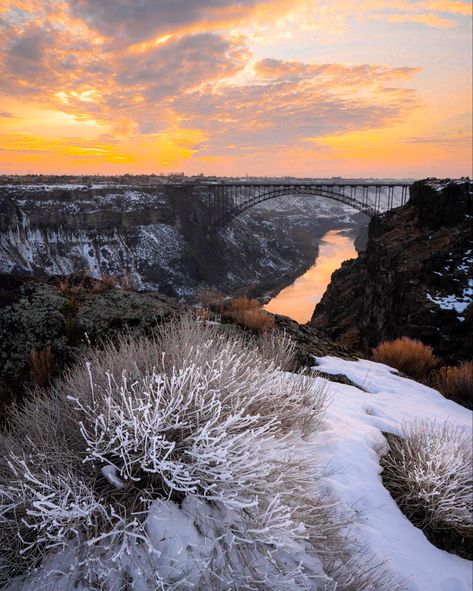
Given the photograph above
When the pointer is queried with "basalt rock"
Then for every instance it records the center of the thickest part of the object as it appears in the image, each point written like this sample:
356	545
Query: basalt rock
414	279
45	317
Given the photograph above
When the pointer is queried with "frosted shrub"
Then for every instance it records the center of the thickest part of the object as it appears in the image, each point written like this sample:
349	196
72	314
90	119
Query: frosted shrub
168	464
198	413
428	472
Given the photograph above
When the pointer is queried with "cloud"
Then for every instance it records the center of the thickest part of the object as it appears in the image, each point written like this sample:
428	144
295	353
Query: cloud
337	73
130	21
427	19
293	102
41	52
144	81
25	53
181	64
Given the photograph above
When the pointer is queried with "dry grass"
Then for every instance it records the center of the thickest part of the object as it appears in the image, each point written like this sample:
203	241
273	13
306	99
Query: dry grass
105	283
42	365
255	319
243	303
70	288
211	298
407	355
202	314
456	383
127	281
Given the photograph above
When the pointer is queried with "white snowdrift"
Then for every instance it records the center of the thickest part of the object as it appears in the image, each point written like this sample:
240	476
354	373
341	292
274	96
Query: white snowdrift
349	445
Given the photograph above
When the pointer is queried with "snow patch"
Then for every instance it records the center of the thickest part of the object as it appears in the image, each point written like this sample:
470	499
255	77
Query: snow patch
350	446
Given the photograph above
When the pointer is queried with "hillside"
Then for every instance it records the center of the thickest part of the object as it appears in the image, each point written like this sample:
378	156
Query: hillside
139	470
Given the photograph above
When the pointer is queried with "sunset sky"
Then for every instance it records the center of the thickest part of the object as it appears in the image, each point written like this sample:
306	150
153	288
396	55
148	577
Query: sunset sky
298	87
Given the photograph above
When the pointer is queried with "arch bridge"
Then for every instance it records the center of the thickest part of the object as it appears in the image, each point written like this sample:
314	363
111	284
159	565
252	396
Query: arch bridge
226	201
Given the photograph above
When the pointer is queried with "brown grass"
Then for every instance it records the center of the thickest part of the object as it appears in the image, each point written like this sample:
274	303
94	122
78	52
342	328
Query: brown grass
105	283
211	298
456	383
127	281
255	319
69	288
202	314
71	307
42	365
243	303
407	355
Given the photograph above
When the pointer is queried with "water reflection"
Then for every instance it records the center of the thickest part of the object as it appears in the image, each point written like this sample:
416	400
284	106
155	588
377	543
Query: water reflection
298	300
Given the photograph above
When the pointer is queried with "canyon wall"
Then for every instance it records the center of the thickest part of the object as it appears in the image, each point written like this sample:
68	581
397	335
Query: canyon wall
159	237
414	279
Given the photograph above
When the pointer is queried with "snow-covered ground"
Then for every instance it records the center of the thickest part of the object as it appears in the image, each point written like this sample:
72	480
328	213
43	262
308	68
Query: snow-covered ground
349	445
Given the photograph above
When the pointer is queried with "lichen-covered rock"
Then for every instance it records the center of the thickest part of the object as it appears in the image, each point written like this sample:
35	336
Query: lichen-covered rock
32	319
310	342
38	316
106	314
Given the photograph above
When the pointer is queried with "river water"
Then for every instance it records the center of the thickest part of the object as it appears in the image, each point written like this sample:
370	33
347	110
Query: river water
298	300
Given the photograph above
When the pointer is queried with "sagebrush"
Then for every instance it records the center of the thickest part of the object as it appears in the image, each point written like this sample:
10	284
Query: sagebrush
456	382
192	427
428	471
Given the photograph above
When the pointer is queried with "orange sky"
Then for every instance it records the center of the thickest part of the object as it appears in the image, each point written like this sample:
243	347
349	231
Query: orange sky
305	88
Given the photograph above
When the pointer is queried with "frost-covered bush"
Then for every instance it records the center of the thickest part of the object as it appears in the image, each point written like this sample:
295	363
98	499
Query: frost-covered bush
168	464
428	470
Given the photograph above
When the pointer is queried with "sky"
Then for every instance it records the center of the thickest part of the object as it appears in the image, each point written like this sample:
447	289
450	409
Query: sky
302	87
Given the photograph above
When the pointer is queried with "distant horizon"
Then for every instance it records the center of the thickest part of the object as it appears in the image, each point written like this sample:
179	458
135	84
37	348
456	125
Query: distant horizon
348	88
219	176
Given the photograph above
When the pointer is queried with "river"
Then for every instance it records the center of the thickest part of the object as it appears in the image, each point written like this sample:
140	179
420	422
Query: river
298	300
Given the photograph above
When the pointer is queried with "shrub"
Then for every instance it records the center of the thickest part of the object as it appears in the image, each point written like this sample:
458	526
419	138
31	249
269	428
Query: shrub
428	472
243	303
42	365
211	298
197	413
255	319
105	283
165	463
456	383
279	348
407	355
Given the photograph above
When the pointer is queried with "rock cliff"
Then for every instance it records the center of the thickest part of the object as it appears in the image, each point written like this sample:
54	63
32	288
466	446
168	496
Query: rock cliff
414	279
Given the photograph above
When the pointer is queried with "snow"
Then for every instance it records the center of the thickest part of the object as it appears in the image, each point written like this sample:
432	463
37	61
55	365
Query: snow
457	302
350	446
453	302
110	473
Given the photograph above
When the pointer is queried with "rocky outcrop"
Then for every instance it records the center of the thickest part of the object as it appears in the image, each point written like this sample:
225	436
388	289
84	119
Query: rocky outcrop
65	320
414	279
